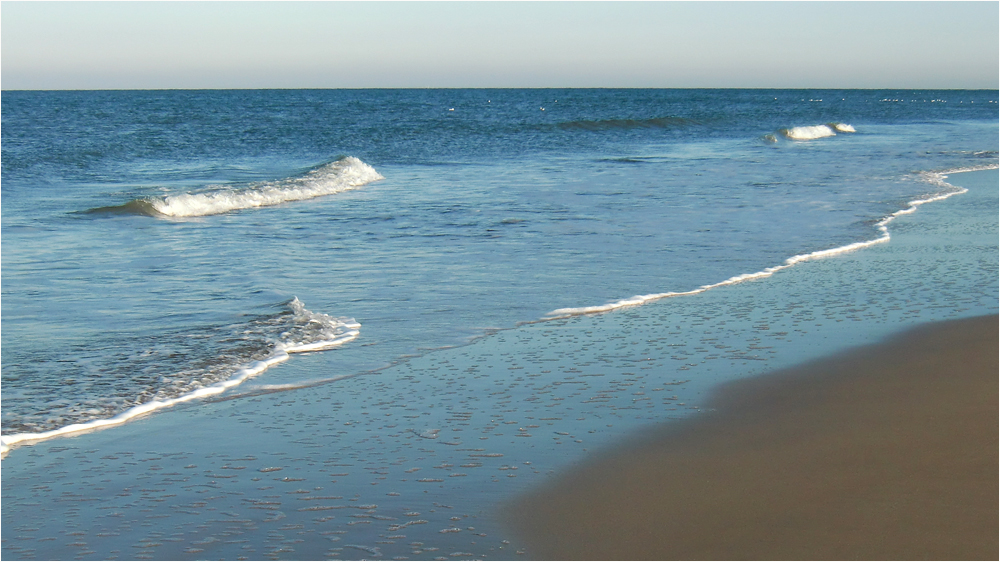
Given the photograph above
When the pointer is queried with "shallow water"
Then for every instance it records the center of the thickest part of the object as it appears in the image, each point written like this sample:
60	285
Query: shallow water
413	460
495	207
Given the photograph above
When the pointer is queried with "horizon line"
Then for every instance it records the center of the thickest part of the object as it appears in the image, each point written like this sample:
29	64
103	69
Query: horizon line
488	88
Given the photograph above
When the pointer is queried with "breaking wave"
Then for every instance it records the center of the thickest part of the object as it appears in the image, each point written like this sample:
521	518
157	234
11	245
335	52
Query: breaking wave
343	175
170	369
809	132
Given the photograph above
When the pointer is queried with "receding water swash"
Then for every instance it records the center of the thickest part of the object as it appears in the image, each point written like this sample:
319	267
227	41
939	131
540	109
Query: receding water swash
297	331
157	244
882	226
305	331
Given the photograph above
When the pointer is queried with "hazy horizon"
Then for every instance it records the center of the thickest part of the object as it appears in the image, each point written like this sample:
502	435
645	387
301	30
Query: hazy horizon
399	45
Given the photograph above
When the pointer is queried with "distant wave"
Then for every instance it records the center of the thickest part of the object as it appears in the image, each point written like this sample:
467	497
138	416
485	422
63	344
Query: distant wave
343	175
811	132
934	178
266	341
609	124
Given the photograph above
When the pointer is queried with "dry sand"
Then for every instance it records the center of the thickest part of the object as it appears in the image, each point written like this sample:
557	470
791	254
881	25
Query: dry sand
885	452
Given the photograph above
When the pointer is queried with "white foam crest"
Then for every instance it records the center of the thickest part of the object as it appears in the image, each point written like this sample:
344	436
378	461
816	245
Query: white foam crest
843	128
634	301
318	331
935	178
343	175
330	332
808	132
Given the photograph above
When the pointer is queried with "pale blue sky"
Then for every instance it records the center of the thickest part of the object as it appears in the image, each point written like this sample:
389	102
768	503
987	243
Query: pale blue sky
84	45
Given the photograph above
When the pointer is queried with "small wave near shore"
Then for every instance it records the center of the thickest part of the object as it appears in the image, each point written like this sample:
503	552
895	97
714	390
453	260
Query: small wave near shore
301	331
335	177
933	178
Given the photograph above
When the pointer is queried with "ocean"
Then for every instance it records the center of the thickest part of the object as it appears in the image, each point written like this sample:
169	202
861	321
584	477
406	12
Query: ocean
175	252
159	245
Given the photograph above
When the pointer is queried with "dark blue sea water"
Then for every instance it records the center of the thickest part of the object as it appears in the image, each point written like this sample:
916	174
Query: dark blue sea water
166	245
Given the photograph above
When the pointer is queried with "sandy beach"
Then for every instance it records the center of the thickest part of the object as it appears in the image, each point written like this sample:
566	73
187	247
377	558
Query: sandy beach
883	452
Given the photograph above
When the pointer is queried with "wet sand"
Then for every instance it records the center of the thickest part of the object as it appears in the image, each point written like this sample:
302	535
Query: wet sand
884	452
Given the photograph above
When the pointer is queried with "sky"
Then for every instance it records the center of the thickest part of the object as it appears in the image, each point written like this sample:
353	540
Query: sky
153	45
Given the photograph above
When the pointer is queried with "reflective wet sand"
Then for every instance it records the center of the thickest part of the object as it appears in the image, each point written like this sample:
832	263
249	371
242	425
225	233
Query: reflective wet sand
884	452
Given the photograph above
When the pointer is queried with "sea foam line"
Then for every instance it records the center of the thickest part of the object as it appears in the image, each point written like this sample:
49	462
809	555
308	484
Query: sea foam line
336	338
935	178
